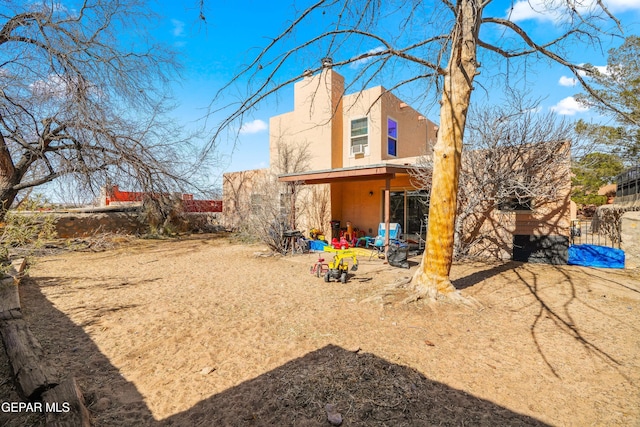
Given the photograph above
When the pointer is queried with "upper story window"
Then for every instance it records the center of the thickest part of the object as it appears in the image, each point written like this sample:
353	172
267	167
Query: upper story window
392	137
359	135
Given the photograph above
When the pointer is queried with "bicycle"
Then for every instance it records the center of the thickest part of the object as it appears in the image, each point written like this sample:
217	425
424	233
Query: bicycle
320	268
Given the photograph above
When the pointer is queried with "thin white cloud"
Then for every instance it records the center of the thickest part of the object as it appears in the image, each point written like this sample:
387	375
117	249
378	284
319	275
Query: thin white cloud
617	6
178	28
569	107
54	86
360	62
255	126
524	10
567	81
601	68
556	10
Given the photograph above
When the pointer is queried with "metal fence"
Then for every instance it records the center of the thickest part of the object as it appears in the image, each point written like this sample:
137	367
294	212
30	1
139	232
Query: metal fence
593	232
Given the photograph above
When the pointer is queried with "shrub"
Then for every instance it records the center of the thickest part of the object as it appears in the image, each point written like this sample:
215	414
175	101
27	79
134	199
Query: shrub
25	230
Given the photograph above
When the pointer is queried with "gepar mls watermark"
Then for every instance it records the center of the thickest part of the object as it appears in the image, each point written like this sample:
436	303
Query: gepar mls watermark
39	407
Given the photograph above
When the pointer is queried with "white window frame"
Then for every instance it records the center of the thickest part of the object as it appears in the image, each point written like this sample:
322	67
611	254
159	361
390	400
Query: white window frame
365	147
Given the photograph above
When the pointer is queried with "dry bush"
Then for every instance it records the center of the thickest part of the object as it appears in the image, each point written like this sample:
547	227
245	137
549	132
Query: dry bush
514	157
607	220
25	230
164	214
265	208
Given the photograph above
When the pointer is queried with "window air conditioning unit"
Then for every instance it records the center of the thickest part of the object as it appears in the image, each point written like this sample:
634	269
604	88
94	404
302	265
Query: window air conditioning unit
358	149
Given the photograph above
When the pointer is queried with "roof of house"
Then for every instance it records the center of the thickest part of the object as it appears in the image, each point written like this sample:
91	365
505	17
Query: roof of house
352	173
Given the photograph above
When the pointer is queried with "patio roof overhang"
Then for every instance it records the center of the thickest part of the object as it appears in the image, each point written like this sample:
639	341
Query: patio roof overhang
384	172
354	173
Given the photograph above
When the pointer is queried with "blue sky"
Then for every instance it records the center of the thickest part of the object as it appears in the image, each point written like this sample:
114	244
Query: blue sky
234	33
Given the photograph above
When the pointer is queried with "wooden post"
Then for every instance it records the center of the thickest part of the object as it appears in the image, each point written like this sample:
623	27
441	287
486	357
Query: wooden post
68	404
293	206
34	378
26	359
387	208
9	299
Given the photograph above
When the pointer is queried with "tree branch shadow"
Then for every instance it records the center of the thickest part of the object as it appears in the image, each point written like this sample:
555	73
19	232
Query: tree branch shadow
563	319
479	276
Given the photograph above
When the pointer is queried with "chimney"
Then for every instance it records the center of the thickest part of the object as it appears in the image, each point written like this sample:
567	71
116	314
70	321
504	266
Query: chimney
327	62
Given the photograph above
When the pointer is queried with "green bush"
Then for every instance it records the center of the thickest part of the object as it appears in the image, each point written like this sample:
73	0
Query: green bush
589	199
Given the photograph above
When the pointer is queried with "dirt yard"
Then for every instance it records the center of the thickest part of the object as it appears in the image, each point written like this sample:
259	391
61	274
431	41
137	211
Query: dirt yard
203	332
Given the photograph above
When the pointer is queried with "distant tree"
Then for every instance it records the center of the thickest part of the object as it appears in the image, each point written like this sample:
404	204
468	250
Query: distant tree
614	92
590	173
440	42
83	98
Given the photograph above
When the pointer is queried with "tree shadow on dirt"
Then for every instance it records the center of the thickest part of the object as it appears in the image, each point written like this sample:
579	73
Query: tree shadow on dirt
71	352
562	317
365	389
479	276
530	275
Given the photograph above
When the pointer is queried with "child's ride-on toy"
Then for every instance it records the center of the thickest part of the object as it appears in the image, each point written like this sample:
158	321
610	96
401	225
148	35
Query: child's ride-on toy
338	268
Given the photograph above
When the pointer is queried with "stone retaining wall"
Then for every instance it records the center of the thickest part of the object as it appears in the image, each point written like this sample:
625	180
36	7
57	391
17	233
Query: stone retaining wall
88	224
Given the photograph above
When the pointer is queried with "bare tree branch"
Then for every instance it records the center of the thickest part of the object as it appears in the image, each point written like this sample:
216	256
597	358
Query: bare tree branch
75	102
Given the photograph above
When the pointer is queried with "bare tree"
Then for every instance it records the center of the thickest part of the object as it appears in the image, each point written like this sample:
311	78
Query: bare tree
514	157
319	212
264	208
418	41
82	96
237	206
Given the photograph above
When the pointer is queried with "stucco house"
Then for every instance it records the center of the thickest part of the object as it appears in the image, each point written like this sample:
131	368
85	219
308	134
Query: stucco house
359	150
357	146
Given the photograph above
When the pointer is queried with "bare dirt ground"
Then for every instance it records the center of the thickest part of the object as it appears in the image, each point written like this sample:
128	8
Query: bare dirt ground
202	332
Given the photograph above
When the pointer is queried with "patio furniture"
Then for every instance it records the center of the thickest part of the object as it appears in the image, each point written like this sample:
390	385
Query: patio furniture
395	231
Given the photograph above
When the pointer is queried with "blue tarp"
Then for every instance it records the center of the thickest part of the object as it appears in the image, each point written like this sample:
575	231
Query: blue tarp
317	245
596	256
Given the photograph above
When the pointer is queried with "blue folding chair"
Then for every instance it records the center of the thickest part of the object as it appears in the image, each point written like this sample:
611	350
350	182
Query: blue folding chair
395	231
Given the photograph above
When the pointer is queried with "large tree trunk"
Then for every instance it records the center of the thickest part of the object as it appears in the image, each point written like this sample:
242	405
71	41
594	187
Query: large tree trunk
7	193
7	179
7	196
432	277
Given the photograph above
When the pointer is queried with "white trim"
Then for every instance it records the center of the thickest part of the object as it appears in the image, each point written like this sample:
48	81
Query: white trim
361	148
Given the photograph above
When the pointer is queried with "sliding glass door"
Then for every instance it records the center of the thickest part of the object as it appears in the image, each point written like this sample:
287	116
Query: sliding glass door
408	208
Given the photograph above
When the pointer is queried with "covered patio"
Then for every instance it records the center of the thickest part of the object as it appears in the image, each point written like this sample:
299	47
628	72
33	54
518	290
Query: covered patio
363	193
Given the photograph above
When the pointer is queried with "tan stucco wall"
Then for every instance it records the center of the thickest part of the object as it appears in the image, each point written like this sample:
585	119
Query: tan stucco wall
630	239
315	122
357	106
321	121
236	194
548	218
416	134
354	203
